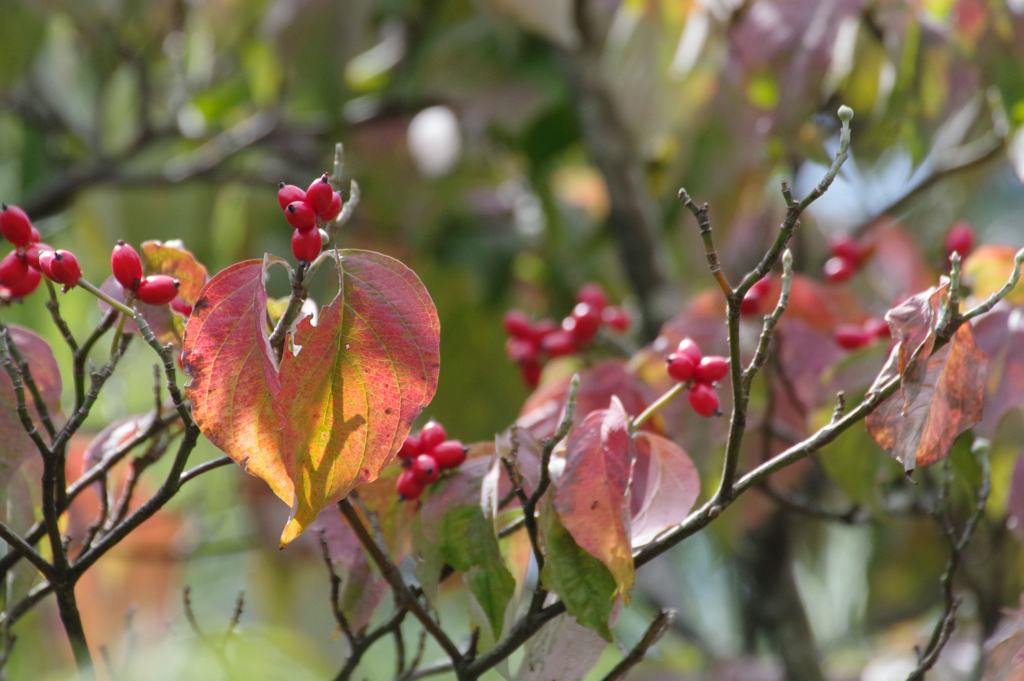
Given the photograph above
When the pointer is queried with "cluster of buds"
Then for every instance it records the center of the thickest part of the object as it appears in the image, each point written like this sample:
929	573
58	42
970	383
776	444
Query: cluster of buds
529	343
307	211
688	365
22	269
424	456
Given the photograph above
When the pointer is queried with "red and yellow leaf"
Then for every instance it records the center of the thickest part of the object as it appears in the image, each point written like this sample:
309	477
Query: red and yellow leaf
988	268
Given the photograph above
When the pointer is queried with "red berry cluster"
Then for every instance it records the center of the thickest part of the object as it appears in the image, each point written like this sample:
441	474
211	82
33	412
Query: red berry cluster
22	269
960	239
158	289
424	457
529	343
687	365
847	258
852	337
756	299
306	211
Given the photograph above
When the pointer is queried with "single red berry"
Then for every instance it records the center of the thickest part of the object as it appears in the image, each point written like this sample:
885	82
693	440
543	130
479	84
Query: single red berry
410	448
838	270
680	366
617	318
517	324
711	369
409	486
13	268
32	252
593	295
334	210
583	323
34	237
126	265
15	225
46	262
26	286
306	245
877	327
960	239
521	350
753	302
704	400
530	373
432	435
158	289
289	193
449	454
542	329
425	468
851	337
181	306
689	348
300	216
846	248
64	268
319	195
558	343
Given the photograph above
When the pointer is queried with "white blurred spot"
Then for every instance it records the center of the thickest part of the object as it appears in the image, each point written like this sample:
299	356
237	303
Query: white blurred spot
191	121
434	140
691	44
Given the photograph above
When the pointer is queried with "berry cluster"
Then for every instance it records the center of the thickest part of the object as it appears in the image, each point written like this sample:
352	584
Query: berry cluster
852	337
847	257
22	269
306	211
424	457
960	239
158	289
687	365
530	343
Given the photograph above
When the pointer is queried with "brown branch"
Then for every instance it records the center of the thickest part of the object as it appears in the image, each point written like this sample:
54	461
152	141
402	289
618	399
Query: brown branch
653	634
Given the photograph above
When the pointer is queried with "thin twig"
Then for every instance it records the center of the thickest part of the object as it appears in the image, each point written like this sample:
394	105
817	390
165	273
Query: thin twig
701	213
653	634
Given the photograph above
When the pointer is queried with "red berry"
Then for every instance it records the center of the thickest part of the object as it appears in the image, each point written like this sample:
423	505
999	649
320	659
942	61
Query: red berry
181	306
432	435
689	348
300	216
960	239
558	343
32	252
877	327
289	193
409	486
15	225
306	245
593	295
838	270
127	266
64	268
517	324
680	366
46	262
158	289
319	195
521	350
711	369
530	373
542	329
846	248
583	323
425	468
334	210
851	337
753	302
34	237
26	286
617	318
410	448
13	268
704	400
449	454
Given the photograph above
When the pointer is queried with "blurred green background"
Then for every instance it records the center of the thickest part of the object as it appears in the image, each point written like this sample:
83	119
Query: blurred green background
508	151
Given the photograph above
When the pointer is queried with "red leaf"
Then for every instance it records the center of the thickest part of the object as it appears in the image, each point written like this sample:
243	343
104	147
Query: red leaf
913	326
665	486
336	412
1000	334
592	498
947	401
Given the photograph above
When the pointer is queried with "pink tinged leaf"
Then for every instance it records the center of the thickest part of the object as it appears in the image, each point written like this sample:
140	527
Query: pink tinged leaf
1005	389
593	494
948	401
362	588
364	374
1015	502
234	375
561	650
110	440
913	325
670	486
